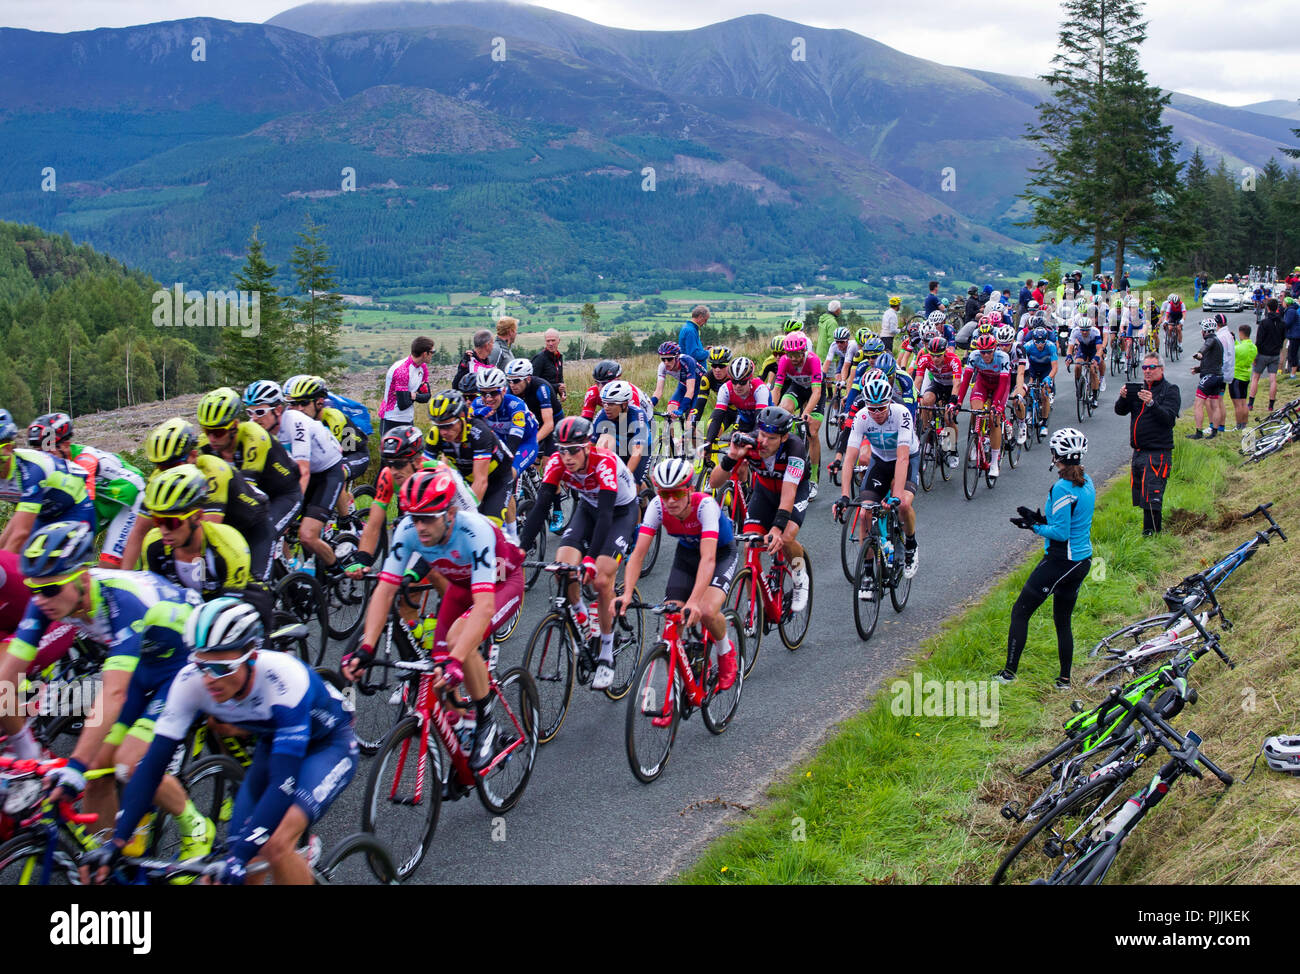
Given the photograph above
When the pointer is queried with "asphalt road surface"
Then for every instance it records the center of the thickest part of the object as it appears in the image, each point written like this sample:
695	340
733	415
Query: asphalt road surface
585	819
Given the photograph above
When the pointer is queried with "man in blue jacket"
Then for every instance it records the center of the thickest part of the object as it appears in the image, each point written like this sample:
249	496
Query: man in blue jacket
689	337
1291	321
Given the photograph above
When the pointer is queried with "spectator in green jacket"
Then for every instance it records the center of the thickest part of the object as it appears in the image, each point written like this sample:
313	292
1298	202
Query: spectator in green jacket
831	319
1238	389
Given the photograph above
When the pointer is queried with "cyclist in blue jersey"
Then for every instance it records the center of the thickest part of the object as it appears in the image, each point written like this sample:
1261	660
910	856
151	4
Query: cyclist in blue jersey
306	756
682	369
139	619
704	563
1043	361
43	489
1067	554
1086	342
623	428
508	417
541	399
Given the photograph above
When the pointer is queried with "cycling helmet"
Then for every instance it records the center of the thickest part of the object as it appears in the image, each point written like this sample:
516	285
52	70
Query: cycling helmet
778	342
263	392
447	406
972	290
58	549
872	346
224	625
490	380
928	331
863	336
573	431
719	356
617	391
304	388
8	428
1283	753
1219	319
796	342
431	440
873	374
1039	320
171	442
986	343
48	430
468	384
218	408
913	330
1068	444
841	334
793	325
878	392
607	370
937	345
1032	306
669	348
741	368
984	319
428	492
895	302
1172	298
1006	335
936	318
1208	327
1039	335
401	443
985	328
672	474
176	491
519	368
775	420
886	364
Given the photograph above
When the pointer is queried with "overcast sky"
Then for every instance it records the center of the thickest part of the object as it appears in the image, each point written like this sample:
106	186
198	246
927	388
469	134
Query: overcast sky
1234	53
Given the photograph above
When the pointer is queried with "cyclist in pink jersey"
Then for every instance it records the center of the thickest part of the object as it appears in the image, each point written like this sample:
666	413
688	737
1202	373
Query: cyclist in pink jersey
799	390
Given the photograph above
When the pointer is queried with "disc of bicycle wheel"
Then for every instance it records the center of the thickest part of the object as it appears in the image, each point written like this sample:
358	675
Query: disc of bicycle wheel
211	785
515	710
970	474
793	625
719	707
927	461
360	859
652	716
403	795
867	612
629	640
346	596
902	585
550	660
300	595
748	607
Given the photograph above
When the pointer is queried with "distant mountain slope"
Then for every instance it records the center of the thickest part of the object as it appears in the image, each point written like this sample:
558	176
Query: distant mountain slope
1278	107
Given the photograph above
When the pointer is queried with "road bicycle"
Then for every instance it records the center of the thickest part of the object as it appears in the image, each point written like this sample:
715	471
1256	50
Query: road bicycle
1084	397
1173	347
414	771
526	488
763	599
1011	446
732	496
880	565
934	458
834	412
1035	400
561	652
678	677
979	451
1273	433
853	527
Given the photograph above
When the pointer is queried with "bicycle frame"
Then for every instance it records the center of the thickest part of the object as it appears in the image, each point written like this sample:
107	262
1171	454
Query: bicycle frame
772	607
681	668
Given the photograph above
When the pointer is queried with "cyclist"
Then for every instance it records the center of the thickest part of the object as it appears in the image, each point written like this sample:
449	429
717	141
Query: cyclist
1027	318
714	378
938	368
319	458
1171	315
890	430
682	369
767	370
600	531
799	384
116	487
541	399
839	359
778	467
623	428
308	753
1006	337
229	498
1085	341
1041	369
258	456
991	371
1134	326
739	401
138	618
353	441
42	488
607	370
703	564
473	449
514	425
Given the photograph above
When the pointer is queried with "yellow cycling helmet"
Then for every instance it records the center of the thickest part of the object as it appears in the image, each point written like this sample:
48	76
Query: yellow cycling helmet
304	388
447	406
895	302
432	438
171	442
176	491
719	356
219	408
778	344
793	324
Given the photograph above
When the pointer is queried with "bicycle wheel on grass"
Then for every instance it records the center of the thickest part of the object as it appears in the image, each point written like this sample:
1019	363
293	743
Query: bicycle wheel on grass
793	625
514	705
550	659
403	796
719	708
749	612
1134	634
870	567
359	860
654	697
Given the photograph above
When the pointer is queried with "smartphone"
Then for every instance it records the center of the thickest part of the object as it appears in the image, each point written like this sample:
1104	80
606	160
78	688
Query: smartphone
1133	389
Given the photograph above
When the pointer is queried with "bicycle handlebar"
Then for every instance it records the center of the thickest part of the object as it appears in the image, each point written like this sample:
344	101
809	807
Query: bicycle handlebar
1187	753
1273	526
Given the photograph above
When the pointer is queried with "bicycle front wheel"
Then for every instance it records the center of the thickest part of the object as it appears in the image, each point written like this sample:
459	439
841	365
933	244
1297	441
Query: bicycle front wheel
211	785
629	640
515	705
793	624
851	541
868	580
300	596
970	474
359	860
745	599
550	661
653	713
403	795
1063	833
22	862
928	463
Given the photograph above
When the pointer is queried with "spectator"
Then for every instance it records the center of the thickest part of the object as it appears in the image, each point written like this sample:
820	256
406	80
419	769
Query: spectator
548	364
1244	356
1209	388
507	332
1151	435
973	304
1291	321
1272	332
406	383
826	325
689	337
1026	295
485	354
1037	293
932	301
889	324
1223	332
1124	285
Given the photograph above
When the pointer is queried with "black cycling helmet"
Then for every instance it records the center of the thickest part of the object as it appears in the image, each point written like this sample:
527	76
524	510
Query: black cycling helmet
775	420
402	443
573	431
47	431
447	406
606	370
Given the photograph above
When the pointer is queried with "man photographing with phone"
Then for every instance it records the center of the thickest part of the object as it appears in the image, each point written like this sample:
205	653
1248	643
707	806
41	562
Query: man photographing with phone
1154	407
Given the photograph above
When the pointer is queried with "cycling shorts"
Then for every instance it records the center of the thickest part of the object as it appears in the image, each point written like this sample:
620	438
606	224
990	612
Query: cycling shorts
327	768
621	536
1038	371
879	478
763	505
458	600
942	390
1087	353
986	388
355	464
495	503
801	396
323	491
686	566
84	511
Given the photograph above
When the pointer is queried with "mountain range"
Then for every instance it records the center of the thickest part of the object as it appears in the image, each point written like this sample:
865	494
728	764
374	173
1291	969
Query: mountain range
497	144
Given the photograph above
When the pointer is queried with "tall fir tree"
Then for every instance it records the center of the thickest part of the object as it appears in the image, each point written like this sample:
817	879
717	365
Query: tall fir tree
268	354
317	309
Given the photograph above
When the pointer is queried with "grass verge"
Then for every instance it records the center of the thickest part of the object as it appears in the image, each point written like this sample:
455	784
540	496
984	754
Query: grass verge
916	799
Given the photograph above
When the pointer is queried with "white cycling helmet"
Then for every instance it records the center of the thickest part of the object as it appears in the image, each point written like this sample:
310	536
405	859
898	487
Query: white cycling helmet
672	474
1033	306
519	368
223	625
1069	445
488	379
616	391
741	368
1283	753
936	318
1005	334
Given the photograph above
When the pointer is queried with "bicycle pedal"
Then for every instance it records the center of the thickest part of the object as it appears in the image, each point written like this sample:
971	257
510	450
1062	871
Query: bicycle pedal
1011	812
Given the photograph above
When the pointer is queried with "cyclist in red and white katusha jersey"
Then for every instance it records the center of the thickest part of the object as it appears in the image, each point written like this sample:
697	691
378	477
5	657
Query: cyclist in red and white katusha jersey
990	368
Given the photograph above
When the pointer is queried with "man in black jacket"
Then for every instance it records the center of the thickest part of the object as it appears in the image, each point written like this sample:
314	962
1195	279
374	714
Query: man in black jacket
1268	340
1151	434
1210	386
548	364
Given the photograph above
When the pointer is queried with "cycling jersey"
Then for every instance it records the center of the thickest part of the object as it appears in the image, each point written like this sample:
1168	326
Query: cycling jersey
223	565
385	492
1134	325
539	394
310	440
1068	531
745	407
14	599
687	369
836	357
1041	354
112	482
803	376
789	465
885	436
591	402
49	487
943	370
262	459
1173	311
474	554
604	472
1087	337
406	377
514	425
704	519
904	393
478	442
768	368
631	428
994	378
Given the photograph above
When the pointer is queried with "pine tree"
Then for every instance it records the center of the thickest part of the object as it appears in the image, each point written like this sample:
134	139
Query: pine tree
317	310
266	355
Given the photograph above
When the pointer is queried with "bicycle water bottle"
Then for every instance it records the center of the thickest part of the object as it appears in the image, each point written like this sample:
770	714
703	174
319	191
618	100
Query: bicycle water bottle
465	728
887	545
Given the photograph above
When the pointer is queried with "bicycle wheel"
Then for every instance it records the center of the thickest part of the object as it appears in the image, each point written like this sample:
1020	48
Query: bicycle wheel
870	566
537	551
382	696
550	659
654	697
514	706
1079	385
652	555
793	625
629	640
850	541
900	585
1135	634
970	474
1066	826
749	610
831	428
22	861
928	464
403	794
211	785
507	628
719	708
1011	450
942	458
359	860
345	596
300	596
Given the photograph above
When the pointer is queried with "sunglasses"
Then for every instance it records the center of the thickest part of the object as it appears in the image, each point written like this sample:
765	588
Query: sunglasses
47	590
172	523
447	425
213	432
675	494
571	450
491	393
1151	368
427	518
882	408
220	669
769	430
261	411
668	359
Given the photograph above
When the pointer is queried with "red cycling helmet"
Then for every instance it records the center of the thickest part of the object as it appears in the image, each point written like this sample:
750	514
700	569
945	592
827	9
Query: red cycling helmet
986	343
428	492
